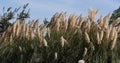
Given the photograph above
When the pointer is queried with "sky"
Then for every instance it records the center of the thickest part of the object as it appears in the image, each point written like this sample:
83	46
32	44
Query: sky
41	9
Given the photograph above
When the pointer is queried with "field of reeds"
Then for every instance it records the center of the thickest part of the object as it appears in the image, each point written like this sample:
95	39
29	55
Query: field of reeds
77	39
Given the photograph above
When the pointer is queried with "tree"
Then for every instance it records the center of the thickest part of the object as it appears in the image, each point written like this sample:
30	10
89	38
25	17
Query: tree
10	14
24	14
115	15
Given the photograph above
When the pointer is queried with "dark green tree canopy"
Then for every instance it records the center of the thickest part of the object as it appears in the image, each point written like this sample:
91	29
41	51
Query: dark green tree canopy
115	14
20	13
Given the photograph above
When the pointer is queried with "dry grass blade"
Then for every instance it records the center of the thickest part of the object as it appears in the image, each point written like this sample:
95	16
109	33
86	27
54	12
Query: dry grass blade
114	41
81	61
56	55
85	52
63	41
87	37
45	42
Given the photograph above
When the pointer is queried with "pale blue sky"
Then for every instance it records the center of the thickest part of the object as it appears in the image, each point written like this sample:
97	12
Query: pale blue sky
47	8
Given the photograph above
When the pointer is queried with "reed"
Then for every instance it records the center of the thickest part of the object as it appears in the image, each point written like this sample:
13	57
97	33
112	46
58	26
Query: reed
62	40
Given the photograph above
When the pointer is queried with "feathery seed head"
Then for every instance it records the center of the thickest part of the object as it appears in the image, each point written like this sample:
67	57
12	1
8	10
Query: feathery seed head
81	61
87	37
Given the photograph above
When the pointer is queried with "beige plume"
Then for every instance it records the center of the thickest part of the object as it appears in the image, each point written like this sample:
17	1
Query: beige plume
98	38
81	61
63	41
114	41
101	35
85	52
48	32
45	42
56	55
87	37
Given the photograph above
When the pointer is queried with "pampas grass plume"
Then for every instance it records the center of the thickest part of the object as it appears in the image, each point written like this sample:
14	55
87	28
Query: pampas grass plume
87	37
45	42
56	55
81	61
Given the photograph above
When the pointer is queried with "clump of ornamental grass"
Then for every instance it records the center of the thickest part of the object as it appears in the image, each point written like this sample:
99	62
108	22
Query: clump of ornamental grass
77	39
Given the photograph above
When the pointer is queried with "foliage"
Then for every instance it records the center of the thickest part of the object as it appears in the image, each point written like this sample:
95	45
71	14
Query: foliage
69	40
10	14
115	15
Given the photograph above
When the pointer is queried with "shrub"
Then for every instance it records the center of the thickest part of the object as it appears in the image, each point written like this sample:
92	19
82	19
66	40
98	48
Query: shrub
72	40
